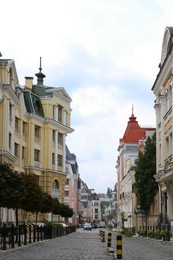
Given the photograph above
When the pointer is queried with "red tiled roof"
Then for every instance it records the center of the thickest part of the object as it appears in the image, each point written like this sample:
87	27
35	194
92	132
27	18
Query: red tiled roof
134	132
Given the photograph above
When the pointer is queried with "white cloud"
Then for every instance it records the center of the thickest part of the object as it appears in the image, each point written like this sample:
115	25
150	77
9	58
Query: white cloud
105	53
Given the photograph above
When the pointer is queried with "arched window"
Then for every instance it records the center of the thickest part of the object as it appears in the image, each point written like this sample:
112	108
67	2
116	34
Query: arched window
55	189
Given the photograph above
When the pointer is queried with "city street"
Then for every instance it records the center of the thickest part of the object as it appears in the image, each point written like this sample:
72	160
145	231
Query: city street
88	245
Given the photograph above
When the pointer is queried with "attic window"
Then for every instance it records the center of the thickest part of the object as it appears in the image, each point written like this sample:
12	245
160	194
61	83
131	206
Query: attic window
37	106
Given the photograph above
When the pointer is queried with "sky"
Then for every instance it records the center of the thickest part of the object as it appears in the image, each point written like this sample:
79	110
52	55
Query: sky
105	53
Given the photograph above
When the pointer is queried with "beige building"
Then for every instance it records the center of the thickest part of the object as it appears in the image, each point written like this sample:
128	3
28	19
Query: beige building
162	88
129	145
35	120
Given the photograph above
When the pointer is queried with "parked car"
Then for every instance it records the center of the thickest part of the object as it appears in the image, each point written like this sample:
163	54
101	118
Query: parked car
102	224
87	226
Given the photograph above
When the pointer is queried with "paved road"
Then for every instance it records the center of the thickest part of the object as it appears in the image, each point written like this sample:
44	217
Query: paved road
81	245
86	245
147	249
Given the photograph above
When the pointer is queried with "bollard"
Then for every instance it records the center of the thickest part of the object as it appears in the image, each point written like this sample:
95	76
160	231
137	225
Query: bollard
109	240
25	234
103	236
30	234
19	236
12	236
119	247
4	242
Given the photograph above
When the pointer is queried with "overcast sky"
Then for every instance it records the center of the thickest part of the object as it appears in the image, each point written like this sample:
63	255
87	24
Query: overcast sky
105	53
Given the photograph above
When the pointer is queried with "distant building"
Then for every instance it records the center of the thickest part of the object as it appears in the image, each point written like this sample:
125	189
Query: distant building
86	211
72	187
128	152
95	205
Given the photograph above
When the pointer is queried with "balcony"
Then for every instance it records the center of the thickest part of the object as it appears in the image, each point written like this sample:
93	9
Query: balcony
165	173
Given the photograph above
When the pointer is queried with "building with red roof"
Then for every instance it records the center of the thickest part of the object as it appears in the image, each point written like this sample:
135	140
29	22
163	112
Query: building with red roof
132	141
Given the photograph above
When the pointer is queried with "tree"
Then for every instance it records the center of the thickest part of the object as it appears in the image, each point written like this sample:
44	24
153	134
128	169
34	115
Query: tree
32	195
56	206
10	187
145	183
65	211
47	203
109	193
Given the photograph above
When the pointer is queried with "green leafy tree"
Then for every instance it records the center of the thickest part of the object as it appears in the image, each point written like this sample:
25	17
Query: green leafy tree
56	208
32	195
11	187
66	211
103	206
109	193
47	203
145	183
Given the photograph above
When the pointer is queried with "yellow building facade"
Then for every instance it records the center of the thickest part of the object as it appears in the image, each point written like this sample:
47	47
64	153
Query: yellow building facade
35	120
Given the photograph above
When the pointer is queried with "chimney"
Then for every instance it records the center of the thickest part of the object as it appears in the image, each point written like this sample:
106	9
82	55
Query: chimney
29	82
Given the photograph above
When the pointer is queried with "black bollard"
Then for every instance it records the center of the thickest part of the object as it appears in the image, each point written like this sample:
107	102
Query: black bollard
4	242
34	235
119	247
29	234
19	236
109	239
103	236
41	233
12	236
25	234
38	231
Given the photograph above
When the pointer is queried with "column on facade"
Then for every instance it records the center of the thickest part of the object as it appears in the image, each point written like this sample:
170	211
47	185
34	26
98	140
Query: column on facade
162	130
56	150
64	153
56	112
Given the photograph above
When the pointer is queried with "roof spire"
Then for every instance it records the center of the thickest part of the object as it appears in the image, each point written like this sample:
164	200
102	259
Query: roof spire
40	75
40	69
132	109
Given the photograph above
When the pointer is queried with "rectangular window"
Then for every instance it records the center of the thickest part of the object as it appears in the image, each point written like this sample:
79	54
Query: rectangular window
167	147
16	149
16	123
60	113
37	131
53	158
60	138
10	110
10	140
67	182
36	155
53	135
54	108
59	160
24	128
66	193
23	152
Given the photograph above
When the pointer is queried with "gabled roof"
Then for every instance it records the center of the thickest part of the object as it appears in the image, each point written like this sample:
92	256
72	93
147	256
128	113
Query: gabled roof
134	132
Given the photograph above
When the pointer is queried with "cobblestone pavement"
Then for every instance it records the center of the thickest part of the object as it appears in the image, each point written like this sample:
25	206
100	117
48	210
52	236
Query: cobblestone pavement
141	248
87	245
80	245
